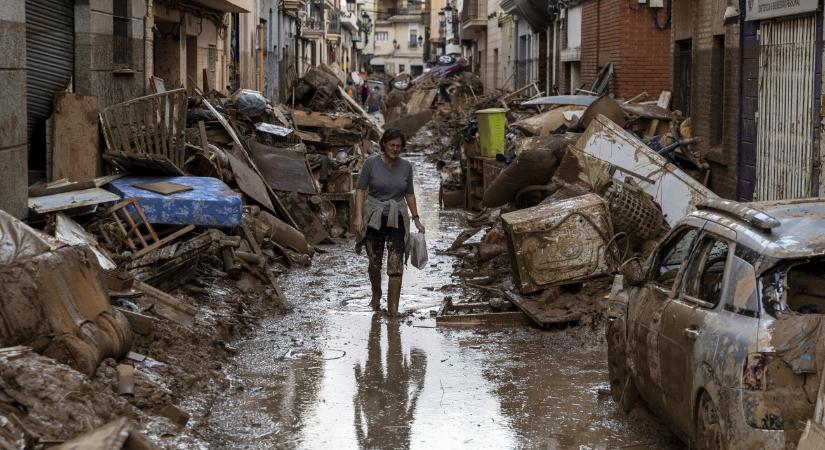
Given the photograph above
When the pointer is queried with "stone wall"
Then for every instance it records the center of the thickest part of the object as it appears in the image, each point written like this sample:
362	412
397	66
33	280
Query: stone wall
13	147
95	71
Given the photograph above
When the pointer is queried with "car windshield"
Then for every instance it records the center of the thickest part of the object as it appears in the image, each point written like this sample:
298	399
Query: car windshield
794	287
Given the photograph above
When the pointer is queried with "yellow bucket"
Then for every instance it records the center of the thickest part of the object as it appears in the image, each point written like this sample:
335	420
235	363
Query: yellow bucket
491	126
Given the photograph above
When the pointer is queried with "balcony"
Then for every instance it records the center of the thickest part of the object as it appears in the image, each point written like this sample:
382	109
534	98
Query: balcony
334	26
313	26
411	12
349	19
294	6
474	15
229	6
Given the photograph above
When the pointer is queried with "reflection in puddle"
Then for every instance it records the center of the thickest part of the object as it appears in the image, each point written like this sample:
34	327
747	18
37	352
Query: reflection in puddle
388	387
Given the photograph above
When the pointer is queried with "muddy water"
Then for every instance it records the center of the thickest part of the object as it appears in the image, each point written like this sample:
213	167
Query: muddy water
331	374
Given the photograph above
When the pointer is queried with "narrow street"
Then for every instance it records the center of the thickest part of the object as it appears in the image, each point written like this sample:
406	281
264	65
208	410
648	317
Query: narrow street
331	374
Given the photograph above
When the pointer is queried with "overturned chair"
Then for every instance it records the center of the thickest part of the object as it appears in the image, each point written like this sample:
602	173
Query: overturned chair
52	300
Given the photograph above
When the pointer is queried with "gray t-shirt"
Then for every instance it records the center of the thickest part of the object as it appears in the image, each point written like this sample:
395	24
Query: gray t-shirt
384	182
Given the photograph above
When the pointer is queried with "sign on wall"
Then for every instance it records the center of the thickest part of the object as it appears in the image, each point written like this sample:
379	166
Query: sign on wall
766	9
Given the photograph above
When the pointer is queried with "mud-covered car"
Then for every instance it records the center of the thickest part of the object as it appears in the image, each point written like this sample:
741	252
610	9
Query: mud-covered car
720	331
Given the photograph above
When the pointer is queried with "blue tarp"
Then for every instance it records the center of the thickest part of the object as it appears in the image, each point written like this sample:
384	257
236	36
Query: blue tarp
210	203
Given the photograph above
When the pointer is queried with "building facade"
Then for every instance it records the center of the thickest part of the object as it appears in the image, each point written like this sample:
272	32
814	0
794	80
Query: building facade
113	49
705	67
399	36
779	150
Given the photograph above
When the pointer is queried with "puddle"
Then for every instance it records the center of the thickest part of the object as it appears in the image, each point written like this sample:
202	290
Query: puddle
332	374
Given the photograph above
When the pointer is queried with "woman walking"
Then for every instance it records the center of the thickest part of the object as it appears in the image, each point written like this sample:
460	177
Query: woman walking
384	200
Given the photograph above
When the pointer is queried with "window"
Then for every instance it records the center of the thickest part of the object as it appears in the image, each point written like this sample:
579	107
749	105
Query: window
382	36
717	90
706	271
671	255
682	76
212	55
120	33
413	38
400	67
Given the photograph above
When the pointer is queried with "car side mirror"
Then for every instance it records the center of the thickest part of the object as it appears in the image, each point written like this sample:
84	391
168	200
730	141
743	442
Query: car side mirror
632	271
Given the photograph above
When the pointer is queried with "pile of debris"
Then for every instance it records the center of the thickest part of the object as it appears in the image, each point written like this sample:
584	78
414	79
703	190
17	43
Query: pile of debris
581	188
208	199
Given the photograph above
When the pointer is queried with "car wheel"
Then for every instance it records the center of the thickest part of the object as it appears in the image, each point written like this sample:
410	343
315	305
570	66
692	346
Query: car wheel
708	425
622	388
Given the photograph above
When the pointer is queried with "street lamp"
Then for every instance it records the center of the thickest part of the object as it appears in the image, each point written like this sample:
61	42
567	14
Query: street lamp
420	40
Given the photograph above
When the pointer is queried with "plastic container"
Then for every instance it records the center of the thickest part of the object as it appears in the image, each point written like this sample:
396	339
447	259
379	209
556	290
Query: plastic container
491	126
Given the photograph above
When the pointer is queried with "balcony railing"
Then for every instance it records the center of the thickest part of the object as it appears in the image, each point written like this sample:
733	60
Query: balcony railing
314	24
413	43
412	9
474	14
334	26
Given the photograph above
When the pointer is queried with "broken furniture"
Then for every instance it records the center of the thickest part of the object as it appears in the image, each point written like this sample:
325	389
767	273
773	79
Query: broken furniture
208	203
481	171
149	128
559	243
52	300
125	223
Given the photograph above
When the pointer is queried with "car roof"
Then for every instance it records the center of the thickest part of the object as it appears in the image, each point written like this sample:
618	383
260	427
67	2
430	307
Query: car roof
801	232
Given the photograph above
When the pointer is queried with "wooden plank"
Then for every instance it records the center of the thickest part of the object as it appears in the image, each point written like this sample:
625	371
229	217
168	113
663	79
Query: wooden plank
164	241
164	187
204	140
664	102
320	120
75	143
139	117
168	306
70	200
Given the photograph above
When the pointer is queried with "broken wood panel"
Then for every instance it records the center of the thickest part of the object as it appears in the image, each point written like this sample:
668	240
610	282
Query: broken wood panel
149	125
250	182
283	169
307	220
164	187
143	164
168	306
70	200
542	312
320	120
75	143
481	313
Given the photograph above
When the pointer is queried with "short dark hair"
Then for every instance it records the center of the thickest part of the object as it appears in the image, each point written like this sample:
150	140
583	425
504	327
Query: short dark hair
393	133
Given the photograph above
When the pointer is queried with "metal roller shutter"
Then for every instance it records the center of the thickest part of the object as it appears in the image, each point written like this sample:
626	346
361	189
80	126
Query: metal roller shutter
49	55
785	123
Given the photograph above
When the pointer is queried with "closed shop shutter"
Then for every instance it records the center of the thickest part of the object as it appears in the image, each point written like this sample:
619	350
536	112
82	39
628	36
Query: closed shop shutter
785	124
49	55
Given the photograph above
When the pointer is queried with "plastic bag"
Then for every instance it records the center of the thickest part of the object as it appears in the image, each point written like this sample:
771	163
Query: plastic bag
418	254
248	102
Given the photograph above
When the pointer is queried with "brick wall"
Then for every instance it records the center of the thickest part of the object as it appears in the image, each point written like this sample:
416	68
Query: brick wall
612	32
701	25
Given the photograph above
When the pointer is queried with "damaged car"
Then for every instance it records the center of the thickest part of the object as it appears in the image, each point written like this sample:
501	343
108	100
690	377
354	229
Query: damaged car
720	332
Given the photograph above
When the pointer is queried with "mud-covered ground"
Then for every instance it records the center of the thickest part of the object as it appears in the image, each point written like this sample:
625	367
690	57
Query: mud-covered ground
320	370
331	374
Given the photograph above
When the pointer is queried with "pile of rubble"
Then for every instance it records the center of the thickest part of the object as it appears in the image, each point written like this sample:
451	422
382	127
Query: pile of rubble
137	279
584	184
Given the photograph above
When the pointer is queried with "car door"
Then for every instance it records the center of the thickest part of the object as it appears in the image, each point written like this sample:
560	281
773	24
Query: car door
690	322
645	313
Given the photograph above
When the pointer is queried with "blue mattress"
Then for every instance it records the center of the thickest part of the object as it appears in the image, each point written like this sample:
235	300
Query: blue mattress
209	204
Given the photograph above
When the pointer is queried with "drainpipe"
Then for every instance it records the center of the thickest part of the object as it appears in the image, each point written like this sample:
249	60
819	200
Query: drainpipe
515	52
556	46
148	47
